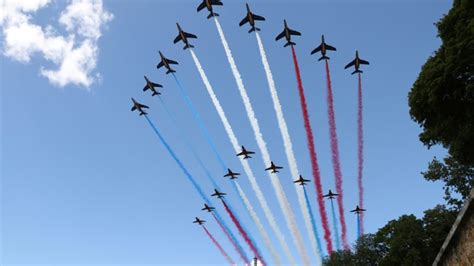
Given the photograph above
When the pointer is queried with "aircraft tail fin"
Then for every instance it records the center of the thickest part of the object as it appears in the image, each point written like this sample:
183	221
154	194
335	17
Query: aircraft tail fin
254	29
188	46
170	71
155	93
289	43
357	71
143	113
323	57
213	14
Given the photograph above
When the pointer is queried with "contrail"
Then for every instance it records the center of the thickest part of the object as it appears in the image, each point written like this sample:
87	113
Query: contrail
280	193
229	237
335	157
360	148
219	247
253	181
243	233
304	205
358	227
209	140
198	188
336	229
313	221
313	156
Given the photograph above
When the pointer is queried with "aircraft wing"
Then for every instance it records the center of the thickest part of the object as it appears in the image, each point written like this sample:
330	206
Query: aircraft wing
317	49
331	48
240	153
257	17
143	106
350	64
216	2
281	35
293	32
157	85
245	20
177	39
146	87
201	6
363	62
134	108
190	35
160	64
169	61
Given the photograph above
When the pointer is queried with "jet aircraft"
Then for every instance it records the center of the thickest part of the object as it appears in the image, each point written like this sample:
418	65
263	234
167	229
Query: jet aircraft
152	86
138	106
330	195
273	168
208	4
231	174
358	210
287	33
183	36
356	63
245	153
251	18
198	221
207	208
166	63
301	181
218	194
323	48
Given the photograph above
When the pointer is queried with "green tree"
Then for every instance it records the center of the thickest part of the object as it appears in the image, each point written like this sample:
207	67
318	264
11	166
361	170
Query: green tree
442	98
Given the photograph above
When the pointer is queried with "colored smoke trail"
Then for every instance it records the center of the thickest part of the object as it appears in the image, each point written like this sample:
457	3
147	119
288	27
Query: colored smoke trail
199	121
243	233
219	247
360	151
208	138
313	156
280	193
229	236
313	222
290	155
196	186
358	226
335	157
248	171
336	229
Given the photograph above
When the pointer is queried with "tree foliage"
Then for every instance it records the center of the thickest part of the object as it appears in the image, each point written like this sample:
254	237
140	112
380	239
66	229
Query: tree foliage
405	241
442	98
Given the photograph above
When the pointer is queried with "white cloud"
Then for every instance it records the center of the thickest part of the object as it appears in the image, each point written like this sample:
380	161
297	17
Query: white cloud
74	54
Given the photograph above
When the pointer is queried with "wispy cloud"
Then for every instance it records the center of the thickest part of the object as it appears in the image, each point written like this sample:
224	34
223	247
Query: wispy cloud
74	54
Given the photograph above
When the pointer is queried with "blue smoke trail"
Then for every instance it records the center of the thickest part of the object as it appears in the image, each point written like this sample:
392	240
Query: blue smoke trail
205	169
336	229
191	179
313	222
201	124
358	226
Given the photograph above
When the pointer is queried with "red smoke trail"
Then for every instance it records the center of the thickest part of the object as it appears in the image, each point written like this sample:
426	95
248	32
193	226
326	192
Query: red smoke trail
231	262
236	247
335	157
243	234
313	156
360	147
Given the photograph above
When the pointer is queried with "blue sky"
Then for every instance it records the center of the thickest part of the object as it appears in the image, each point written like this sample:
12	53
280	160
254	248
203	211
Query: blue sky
85	181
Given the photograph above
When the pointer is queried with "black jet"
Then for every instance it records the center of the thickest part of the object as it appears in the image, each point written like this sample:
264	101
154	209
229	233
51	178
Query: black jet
330	195
358	210
198	221
183	36
273	168
245	153
231	174
218	194
152	86
166	63
208	4
323	48
287	32
138	106
356	63
207	208
251	18
301	181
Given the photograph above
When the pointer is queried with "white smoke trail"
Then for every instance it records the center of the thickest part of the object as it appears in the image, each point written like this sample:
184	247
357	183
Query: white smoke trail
290	155
253	181
280	193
